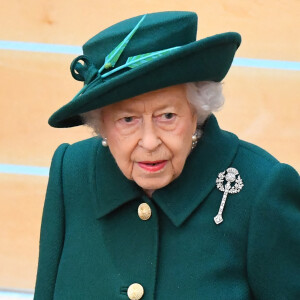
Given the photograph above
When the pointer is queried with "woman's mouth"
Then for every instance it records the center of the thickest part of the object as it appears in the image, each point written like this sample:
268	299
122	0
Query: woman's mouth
152	166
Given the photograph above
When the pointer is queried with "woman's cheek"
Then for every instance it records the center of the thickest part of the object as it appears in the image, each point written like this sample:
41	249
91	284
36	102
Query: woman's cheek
125	148
124	163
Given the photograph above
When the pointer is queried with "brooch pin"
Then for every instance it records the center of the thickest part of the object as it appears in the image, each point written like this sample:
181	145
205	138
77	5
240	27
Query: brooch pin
230	177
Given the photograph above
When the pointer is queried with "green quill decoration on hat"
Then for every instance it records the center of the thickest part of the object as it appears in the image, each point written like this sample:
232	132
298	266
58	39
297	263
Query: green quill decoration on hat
135	61
138	60
112	58
132	62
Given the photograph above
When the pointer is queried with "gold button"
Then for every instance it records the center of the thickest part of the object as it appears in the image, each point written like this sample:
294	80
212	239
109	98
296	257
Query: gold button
135	291
144	211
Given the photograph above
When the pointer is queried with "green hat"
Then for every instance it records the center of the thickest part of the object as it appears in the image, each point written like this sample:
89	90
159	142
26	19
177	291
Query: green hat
143	54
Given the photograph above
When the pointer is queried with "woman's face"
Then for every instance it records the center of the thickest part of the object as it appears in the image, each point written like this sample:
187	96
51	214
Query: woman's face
150	135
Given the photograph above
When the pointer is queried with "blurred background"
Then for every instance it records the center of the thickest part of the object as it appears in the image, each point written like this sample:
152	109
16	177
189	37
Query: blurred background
38	41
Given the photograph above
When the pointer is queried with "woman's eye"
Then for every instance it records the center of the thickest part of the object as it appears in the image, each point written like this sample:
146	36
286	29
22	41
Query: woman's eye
168	116
128	119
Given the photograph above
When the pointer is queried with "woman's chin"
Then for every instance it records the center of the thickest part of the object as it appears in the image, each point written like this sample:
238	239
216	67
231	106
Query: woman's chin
153	183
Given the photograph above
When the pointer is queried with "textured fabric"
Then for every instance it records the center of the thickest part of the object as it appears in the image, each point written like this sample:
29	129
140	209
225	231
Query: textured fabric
94	245
206	59
52	230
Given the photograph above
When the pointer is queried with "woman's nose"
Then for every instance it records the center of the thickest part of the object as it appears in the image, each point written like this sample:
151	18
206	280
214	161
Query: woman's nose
149	138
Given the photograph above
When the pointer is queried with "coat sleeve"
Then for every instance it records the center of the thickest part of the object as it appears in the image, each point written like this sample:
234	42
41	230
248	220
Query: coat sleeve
273	257
52	230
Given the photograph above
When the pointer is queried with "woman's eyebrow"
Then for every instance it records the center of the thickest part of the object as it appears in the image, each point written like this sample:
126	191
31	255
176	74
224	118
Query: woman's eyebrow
168	106
134	109
125	111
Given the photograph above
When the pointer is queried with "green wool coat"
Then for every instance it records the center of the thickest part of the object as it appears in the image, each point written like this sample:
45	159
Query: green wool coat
93	244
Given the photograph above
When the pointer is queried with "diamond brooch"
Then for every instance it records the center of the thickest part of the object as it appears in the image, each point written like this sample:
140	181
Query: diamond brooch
233	185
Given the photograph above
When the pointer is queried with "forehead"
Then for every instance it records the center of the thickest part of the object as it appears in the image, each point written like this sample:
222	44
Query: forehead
170	96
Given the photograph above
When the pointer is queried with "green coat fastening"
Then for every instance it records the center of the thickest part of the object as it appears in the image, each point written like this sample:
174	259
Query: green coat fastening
93	244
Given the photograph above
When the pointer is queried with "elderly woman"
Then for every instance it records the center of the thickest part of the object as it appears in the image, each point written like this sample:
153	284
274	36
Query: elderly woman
165	204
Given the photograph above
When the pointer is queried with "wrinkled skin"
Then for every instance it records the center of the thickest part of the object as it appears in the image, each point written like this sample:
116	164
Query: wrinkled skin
153	127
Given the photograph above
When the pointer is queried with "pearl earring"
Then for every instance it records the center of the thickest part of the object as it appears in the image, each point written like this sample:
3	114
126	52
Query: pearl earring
104	142
194	140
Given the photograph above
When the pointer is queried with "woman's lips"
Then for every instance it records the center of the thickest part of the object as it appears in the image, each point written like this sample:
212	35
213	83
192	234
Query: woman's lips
152	166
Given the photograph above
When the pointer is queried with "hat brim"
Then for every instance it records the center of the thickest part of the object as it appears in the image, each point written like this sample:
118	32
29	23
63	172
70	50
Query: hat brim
208	59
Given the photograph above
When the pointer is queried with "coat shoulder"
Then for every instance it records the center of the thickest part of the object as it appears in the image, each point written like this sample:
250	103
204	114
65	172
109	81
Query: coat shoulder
256	168
81	152
257	153
84	146
79	160
255	160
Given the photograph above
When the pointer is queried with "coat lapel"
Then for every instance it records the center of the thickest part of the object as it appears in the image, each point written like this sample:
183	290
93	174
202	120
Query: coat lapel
213	154
112	188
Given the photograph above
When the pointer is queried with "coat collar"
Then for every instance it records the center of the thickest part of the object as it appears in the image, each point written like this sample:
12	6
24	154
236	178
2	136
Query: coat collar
214	153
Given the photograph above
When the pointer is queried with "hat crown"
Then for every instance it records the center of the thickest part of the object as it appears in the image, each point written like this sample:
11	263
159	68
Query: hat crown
157	32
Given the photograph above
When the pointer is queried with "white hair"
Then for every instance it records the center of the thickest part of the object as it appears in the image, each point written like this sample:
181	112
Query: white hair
204	96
